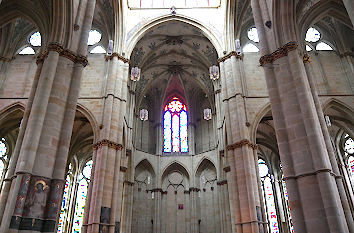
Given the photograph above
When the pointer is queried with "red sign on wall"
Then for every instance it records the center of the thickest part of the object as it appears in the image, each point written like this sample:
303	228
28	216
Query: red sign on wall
180	206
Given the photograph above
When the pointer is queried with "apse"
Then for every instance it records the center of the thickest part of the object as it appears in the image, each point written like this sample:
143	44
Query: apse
174	59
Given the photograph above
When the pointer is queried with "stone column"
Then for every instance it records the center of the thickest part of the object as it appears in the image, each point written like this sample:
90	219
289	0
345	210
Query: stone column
332	157
193	209
349	5
36	188
14	158
105	203
240	148
308	173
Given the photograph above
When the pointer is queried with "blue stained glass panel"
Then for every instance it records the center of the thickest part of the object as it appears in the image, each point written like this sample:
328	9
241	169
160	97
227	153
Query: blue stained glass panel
175	133
167	131
84	179
175	126
183	130
65	205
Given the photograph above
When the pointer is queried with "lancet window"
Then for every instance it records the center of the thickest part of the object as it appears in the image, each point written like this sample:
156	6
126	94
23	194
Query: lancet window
74	197
4	159
347	161
175	121
277	211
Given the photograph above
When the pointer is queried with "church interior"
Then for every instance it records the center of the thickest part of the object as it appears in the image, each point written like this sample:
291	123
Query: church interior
172	116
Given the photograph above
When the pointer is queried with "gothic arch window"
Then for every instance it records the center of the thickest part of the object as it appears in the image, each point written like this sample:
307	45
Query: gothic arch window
348	148
4	160
273	188
314	39
83	183
175	122
74	197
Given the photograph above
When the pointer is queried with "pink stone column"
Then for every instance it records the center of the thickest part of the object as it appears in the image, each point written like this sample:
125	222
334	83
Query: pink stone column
309	175
243	179
106	200
35	192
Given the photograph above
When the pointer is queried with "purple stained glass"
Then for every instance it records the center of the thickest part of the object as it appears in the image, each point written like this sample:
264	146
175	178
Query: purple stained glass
267	190
183	131
65	205
167	131
175	127
175	133
84	180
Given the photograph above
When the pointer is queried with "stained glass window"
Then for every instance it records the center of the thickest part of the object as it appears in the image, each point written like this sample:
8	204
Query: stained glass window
63	218
349	154
83	182
3	160
94	37
35	39
175	124
268	195
285	195
253	34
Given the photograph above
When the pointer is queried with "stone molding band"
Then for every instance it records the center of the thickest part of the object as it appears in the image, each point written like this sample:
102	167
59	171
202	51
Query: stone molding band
120	57
222	182
244	142
349	54
279	53
232	53
115	97
123	169
233	96
63	53
108	143
250	222
5	59
128	183
313	174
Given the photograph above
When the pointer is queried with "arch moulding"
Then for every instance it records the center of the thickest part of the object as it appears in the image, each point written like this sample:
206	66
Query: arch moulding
167	18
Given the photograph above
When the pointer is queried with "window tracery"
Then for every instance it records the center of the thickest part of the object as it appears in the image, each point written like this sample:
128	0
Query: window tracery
314	37
271	194
175	127
253	39
74	198
94	37
35	39
348	148
4	159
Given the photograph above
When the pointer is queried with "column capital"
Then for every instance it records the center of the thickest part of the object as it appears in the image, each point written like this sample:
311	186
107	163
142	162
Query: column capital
120	57
279	53
222	182
306	58
232	53
244	142
6	59
106	142
76	58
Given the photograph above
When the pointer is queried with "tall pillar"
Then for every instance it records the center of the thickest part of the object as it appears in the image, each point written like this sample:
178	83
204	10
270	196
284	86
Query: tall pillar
239	149
105	202
311	182
349	5
332	157
36	187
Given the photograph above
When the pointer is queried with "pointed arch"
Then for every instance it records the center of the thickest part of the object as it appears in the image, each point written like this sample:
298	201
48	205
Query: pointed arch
175	165
204	163
145	165
134	39
91	118
264	110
